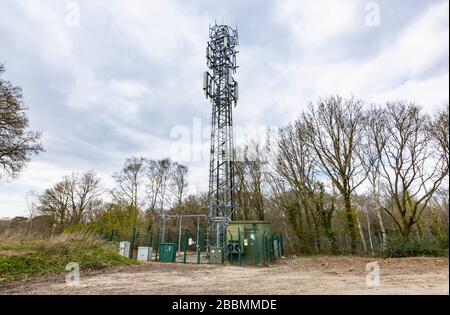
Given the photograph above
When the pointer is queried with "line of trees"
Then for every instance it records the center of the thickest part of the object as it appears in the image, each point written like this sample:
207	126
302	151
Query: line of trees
344	177
345	174
143	189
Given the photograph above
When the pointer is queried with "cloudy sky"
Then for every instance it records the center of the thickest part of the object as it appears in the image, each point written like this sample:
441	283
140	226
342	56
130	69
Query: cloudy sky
108	79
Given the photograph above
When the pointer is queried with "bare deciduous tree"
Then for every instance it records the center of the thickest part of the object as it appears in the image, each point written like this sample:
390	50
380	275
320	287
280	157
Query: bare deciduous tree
54	202
256	164
411	172
178	182
296	164
375	137
240	185
17	144
249	181
128	181
335	129
157	179
32	200
84	194
68	200
439	130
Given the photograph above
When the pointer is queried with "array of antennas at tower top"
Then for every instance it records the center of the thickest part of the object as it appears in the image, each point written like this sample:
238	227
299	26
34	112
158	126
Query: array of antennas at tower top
221	58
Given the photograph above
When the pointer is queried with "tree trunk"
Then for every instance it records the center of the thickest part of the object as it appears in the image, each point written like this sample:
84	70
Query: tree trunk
361	234
351	226
317	235
383	230
369	231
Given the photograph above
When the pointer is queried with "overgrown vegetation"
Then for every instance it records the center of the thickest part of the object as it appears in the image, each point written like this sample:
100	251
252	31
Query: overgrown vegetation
397	246
345	177
26	258
385	174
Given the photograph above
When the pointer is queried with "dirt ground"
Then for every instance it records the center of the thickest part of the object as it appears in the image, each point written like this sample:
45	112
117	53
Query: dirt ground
301	275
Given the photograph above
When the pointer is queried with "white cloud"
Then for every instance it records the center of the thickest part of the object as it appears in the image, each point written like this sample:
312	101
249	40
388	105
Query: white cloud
163	29
315	23
429	93
398	70
130	89
132	70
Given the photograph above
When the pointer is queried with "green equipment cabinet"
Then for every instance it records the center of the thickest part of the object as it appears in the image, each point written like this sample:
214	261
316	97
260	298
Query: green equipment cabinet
216	255
248	242
167	252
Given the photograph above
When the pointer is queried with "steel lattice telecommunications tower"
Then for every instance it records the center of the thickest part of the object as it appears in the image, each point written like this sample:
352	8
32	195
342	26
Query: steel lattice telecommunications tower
222	90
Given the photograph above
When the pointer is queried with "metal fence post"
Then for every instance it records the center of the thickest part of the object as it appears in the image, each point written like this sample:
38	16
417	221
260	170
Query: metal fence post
239	246
185	245
179	236
157	246
230	252
264	240
256	248
266	251
198	245
264	247
281	245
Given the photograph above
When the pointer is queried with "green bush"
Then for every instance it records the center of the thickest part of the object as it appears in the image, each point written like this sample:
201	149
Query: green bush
118	218
397	246
25	259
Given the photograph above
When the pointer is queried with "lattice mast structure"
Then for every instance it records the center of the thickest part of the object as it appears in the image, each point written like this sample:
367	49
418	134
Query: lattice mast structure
222	90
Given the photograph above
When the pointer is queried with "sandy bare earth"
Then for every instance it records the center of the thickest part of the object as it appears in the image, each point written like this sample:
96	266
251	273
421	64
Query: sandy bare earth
305	275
